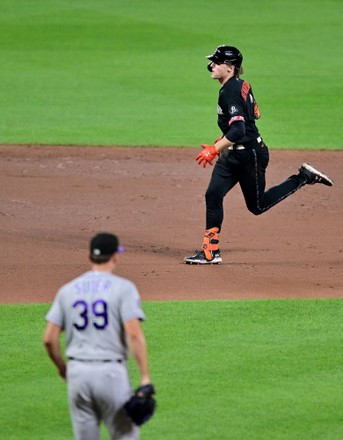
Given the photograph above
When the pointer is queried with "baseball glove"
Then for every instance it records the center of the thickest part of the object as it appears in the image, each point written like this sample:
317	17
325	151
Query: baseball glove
141	405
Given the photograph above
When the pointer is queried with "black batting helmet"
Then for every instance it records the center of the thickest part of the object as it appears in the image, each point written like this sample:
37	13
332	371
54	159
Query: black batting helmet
226	55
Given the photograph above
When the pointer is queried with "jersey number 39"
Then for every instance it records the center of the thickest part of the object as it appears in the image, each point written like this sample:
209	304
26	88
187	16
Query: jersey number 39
91	314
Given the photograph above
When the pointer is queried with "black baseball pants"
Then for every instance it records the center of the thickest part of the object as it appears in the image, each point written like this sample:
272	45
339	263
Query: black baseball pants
248	168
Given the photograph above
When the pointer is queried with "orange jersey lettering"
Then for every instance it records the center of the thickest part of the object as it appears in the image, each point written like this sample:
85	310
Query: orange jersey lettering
257	113
245	90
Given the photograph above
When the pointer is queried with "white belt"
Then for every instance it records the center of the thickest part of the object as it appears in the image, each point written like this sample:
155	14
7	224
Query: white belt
236	147
242	147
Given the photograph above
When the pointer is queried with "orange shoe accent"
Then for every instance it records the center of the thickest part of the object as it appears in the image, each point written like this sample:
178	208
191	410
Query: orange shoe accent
210	242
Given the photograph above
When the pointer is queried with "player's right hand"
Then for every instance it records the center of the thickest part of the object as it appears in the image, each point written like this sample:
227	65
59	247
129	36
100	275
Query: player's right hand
207	155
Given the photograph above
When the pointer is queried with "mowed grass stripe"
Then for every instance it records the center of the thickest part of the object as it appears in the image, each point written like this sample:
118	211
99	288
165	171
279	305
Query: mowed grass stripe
134	73
222	369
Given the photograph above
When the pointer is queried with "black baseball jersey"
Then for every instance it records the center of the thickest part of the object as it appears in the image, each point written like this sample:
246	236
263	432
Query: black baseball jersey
237	103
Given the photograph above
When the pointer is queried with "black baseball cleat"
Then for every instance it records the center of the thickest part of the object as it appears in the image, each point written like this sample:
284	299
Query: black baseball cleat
199	258
314	176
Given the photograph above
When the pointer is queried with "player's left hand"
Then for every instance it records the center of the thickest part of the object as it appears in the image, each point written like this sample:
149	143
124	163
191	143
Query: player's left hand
207	155
141	406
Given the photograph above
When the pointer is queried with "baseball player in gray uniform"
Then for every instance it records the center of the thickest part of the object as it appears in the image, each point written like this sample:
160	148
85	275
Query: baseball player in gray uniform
101	316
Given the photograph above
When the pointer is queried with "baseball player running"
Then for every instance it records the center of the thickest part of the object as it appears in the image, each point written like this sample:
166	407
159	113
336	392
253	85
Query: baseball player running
100	314
242	155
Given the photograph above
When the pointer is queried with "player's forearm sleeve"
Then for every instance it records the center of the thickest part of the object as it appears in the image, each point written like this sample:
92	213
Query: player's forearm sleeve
236	131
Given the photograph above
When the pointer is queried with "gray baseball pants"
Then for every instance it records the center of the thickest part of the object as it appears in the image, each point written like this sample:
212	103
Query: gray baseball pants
97	392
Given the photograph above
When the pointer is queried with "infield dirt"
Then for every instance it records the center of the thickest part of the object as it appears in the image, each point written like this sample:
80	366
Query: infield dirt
54	198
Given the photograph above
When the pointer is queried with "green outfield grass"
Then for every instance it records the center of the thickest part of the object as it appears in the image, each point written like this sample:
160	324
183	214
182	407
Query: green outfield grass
238	370
110	72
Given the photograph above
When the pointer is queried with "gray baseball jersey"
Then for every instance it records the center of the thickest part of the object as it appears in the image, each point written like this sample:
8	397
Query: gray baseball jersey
91	309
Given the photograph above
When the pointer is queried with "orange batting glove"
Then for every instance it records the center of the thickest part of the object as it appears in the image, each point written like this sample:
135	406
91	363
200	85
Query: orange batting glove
207	155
